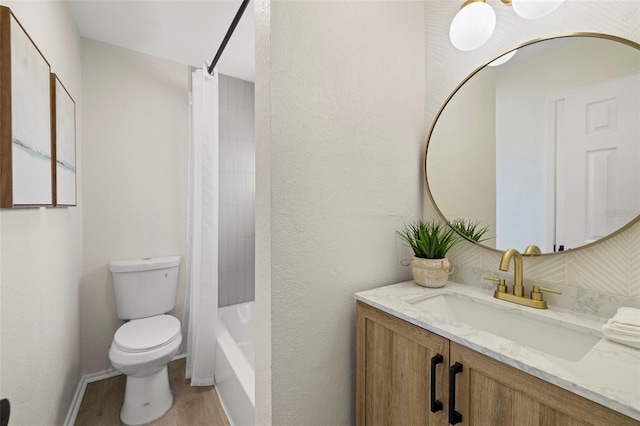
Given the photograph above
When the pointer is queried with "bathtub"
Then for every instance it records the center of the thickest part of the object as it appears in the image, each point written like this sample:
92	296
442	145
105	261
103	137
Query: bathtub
235	363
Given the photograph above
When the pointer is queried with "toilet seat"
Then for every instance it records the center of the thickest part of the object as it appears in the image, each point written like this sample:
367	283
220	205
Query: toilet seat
146	334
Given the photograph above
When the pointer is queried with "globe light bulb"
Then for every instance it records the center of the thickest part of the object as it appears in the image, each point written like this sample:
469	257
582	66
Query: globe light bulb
472	26
502	59
534	9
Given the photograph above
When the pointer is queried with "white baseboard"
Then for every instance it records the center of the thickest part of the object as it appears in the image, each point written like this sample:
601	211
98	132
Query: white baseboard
90	378
82	387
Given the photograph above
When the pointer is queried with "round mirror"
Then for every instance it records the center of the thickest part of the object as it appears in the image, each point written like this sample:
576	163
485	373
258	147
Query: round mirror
543	148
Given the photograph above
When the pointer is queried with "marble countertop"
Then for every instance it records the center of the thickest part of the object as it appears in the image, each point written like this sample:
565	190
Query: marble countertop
608	374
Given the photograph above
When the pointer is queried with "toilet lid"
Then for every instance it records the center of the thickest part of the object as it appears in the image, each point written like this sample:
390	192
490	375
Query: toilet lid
147	333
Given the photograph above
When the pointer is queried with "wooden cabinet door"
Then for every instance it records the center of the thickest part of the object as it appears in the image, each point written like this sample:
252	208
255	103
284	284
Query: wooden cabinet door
393	372
491	393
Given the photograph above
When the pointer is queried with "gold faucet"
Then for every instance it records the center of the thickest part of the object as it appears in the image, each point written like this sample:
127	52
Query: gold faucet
532	250
502	292
518	286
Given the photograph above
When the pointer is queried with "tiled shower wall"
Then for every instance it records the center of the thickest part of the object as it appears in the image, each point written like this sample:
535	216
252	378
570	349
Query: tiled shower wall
236	249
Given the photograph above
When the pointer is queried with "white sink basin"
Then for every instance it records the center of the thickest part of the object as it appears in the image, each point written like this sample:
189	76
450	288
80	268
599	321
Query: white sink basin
564	340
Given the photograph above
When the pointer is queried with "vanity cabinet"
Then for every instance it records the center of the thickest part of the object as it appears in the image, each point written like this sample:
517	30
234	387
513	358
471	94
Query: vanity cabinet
394	373
489	392
394	383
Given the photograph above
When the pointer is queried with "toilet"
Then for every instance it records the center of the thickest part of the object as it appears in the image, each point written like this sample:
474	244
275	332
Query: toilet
145	291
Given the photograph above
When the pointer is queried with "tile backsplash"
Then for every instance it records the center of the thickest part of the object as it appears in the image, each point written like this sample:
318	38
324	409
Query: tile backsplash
594	280
236	249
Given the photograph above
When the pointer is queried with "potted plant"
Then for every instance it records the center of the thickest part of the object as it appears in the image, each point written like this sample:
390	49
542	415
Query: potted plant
470	229
430	241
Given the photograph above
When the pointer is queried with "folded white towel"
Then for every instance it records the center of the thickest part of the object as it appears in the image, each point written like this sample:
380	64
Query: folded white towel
626	330
627	316
623	327
616	336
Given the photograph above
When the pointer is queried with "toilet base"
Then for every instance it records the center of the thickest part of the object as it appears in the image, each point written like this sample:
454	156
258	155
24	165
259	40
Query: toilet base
146	398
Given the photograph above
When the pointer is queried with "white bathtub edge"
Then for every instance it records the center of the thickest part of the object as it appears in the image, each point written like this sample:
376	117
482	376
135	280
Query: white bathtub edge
232	351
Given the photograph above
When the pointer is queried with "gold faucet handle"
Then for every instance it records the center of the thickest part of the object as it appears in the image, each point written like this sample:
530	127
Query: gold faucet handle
502	286
532	250
536	294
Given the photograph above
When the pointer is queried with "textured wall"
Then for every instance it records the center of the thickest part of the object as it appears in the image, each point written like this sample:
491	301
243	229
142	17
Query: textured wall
264	412
136	133
236	248
41	259
612	267
346	132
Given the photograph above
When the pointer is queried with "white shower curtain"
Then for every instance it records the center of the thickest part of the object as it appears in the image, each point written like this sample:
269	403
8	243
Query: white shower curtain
201	298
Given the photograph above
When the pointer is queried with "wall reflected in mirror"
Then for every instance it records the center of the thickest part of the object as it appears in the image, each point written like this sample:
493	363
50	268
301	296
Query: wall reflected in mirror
545	148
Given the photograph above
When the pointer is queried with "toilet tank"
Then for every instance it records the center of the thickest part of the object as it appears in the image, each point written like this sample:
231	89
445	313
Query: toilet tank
145	287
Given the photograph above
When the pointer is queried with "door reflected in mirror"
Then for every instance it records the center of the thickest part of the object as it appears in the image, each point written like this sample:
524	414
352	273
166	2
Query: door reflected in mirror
545	148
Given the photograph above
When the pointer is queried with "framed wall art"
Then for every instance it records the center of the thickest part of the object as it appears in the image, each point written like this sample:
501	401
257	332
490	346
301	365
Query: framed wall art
63	133
26	157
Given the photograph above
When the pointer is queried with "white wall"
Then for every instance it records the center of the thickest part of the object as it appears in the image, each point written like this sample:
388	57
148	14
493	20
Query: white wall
264	410
136	133
343	134
41	257
611	267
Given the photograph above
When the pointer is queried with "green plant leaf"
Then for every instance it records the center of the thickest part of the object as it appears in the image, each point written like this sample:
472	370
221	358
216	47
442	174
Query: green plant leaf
470	229
429	239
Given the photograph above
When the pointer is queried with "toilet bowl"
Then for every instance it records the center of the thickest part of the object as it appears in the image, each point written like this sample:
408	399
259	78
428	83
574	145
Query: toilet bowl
141	349
145	291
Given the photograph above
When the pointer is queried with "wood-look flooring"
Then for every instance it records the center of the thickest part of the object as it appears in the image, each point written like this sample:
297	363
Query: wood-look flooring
192	405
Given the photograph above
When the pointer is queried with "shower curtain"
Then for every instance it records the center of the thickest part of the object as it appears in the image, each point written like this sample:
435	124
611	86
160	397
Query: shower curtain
201	298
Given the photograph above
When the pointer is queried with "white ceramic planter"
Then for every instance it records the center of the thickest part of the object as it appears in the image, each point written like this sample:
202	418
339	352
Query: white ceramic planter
431	273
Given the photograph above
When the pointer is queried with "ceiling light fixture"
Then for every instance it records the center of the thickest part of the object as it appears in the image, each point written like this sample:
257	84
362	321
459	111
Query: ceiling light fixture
473	25
533	9
502	59
475	22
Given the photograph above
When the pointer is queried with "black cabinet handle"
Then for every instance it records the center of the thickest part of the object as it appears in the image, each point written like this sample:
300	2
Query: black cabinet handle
435	404
5	409
454	416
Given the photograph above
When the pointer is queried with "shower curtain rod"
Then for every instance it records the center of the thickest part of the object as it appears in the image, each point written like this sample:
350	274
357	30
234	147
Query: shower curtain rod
232	27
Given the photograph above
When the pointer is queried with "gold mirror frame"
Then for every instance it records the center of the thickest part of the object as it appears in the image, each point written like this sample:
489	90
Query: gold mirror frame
444	105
